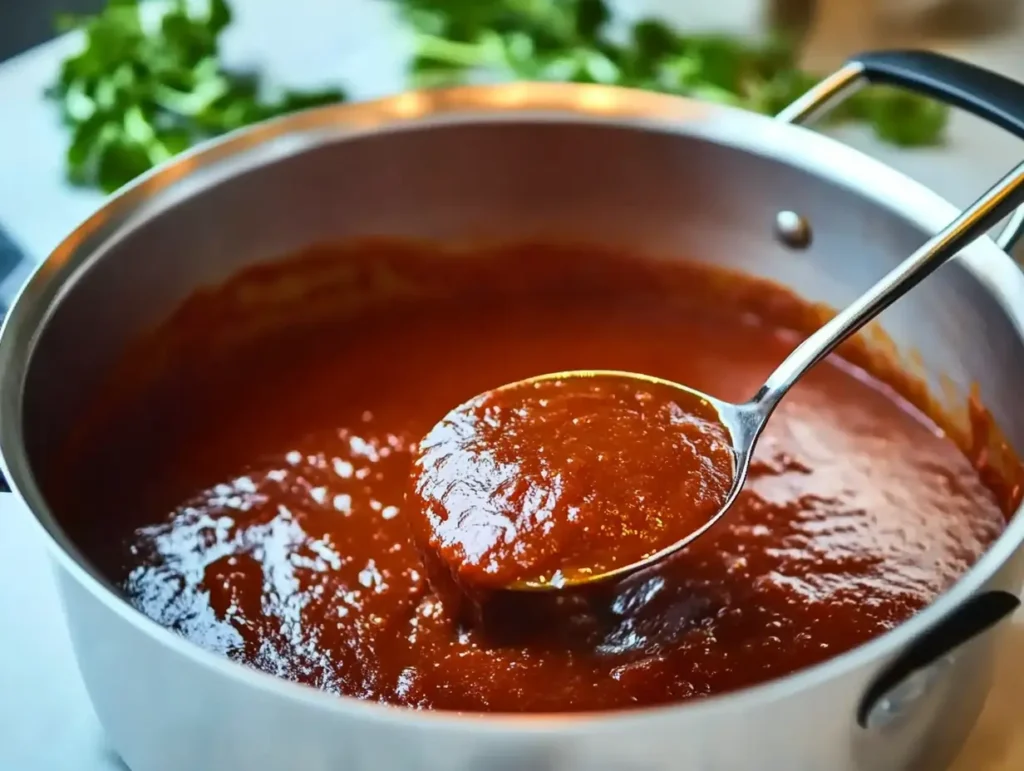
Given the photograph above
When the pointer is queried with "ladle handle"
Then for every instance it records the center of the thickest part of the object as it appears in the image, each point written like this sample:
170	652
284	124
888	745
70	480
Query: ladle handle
973	223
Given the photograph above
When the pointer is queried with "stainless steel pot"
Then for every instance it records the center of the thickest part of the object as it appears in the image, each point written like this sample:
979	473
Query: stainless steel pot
654	173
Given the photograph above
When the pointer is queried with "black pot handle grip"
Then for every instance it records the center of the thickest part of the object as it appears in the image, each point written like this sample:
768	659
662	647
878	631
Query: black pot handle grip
987	94
972	619
984	93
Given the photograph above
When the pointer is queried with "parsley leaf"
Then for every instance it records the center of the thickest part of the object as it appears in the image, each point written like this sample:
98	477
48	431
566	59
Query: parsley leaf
459	40
142	90
137	93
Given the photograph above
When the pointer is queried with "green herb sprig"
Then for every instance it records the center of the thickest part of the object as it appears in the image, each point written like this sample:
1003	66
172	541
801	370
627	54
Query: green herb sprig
137	93
570	40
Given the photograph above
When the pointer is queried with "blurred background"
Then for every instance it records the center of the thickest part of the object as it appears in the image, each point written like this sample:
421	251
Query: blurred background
25	23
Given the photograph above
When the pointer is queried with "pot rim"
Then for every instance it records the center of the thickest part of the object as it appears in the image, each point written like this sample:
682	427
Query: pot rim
280	138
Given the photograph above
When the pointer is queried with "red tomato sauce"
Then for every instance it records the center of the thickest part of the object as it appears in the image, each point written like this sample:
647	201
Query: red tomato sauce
248	475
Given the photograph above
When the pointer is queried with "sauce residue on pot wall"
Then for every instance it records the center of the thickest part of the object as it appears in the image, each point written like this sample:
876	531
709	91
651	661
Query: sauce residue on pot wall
250	460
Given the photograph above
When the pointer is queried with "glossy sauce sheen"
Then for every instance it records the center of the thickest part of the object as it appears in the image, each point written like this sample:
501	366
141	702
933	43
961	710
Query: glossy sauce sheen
255	501
554	480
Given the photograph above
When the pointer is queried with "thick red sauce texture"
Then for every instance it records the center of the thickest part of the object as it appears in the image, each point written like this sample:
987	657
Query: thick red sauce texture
253	499
560	479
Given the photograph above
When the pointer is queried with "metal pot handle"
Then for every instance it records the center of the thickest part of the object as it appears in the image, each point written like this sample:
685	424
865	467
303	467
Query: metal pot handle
995	98
908	678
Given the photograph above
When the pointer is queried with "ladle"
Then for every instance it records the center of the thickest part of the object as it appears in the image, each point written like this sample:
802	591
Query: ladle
746	421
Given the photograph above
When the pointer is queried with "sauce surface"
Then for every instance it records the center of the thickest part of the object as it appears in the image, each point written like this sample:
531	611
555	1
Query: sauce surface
253	500
554	480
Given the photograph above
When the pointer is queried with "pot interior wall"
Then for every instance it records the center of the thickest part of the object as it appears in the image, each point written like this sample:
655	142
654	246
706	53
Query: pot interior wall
660	192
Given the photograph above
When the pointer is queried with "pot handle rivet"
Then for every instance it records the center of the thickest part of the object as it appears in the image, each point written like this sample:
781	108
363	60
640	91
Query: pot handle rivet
793	230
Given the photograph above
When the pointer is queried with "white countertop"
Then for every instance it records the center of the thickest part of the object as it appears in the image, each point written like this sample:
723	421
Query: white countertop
46	723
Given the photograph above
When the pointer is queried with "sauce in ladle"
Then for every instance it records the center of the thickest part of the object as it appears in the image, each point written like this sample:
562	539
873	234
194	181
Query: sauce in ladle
552	481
